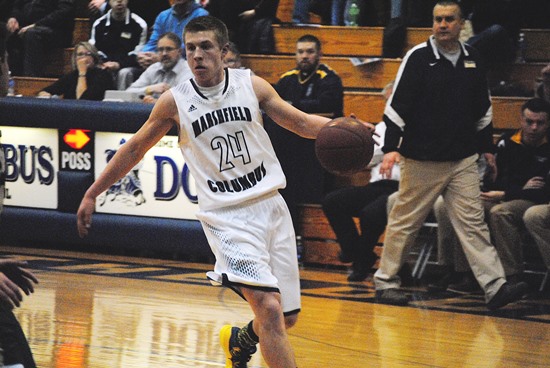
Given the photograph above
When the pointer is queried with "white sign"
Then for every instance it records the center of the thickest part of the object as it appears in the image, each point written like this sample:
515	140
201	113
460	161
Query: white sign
31	166
159	186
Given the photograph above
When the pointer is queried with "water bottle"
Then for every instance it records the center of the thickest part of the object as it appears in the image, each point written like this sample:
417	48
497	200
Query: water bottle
11	85
353	10
522	48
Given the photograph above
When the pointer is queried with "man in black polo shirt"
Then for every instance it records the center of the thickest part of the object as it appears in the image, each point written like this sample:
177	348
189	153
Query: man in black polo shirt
119	35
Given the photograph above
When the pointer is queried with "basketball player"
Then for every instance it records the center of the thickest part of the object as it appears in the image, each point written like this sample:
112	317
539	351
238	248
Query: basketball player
247	223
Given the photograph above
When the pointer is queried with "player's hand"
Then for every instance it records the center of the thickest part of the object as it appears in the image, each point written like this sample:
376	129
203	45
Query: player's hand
13	280
389	160
368	125
84	216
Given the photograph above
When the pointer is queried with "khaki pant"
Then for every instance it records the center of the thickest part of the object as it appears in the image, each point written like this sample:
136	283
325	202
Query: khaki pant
421	184
537	222
508	230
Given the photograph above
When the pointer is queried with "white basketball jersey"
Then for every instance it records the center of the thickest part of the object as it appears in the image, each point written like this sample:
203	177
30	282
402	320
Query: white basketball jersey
224	143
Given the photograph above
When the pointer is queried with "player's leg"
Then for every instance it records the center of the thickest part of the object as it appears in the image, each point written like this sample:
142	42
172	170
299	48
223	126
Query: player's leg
269	324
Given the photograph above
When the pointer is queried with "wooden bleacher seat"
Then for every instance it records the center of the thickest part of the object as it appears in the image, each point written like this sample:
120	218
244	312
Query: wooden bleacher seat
30	86
343	41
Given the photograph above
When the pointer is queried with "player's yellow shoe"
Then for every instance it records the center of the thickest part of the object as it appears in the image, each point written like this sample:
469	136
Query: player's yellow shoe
235	356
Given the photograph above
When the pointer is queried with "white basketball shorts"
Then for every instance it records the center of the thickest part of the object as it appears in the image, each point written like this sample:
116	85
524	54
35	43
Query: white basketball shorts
255	246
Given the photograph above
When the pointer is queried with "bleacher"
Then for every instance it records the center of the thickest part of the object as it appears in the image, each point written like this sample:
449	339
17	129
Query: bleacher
362	85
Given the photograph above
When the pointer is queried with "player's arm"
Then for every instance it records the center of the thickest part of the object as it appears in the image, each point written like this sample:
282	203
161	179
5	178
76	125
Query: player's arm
284	114
162	118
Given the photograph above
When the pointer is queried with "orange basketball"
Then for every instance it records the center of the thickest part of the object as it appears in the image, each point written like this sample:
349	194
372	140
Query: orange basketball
344	146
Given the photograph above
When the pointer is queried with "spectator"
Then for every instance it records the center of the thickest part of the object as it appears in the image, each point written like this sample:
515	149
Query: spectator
119	35
36	27
300	12
495	24
249	23
87	81
148	10
255	31
439	118
312	87
537	222
368	203
523	161
543	88
232	58
171	70
170	20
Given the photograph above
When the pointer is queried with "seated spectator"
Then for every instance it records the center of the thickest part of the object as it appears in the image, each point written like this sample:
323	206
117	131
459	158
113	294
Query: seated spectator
232	58
495	25
87	81
171	70
36	27
523	166
312	87
249	23
255	31
368	203
119	35
537	222
543	88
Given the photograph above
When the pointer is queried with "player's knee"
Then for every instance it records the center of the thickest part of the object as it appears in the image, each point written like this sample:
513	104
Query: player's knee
291	320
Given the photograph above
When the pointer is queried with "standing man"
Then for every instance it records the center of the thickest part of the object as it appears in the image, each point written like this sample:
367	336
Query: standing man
171	70
218	114
119	35
315	88
36	27
441	112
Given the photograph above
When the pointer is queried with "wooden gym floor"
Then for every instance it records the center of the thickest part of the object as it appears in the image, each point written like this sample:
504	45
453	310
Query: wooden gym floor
94	310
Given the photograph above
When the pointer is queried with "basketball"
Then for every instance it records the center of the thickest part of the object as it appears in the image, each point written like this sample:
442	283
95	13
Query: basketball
344	146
